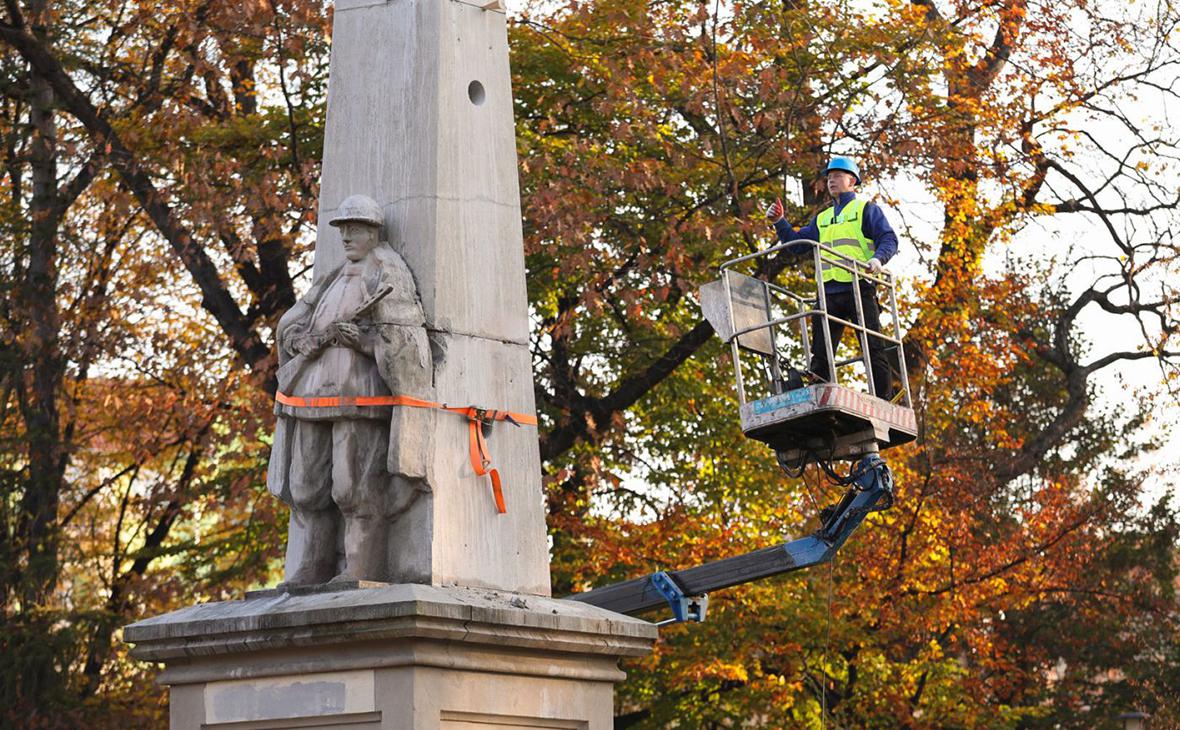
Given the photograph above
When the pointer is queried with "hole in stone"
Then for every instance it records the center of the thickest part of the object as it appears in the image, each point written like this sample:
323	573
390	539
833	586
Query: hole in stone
476	93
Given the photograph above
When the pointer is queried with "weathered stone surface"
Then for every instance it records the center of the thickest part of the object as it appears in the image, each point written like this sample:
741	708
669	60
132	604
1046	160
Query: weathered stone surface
307	695
472	545
420	119
399	656
403	129
356	476
403	610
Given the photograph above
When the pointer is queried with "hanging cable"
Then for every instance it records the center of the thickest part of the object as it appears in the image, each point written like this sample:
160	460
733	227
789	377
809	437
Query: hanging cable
810	494
831	472
794	471
855	471
827	645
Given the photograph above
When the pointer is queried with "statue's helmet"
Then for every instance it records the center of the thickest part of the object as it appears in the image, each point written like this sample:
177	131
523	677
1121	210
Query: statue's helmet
359	208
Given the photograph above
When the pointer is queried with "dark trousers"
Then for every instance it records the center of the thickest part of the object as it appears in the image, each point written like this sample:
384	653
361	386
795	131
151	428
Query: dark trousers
843	305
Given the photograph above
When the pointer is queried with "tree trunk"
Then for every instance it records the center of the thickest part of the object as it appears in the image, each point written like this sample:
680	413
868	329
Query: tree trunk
46	369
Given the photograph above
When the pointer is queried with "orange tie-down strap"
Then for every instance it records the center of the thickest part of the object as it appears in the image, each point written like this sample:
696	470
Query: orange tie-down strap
481	460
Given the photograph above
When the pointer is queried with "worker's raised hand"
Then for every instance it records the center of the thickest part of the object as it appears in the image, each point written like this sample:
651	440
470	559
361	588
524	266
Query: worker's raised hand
775	212
873	265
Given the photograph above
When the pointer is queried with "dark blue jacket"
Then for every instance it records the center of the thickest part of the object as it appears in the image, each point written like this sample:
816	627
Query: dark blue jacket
874	227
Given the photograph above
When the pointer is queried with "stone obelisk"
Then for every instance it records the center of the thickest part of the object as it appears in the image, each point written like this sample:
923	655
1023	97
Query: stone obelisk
420	120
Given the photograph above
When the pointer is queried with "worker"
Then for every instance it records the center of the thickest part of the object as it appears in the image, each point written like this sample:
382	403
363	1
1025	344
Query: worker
857	229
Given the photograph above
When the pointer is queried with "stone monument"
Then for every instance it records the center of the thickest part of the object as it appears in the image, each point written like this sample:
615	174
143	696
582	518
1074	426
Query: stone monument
416	592
353	466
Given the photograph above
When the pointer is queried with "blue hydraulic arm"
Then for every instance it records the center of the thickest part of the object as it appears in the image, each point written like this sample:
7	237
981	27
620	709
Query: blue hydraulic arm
686	591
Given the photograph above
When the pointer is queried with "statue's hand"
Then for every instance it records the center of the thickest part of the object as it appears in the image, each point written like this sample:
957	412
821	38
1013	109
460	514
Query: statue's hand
349	335
304	345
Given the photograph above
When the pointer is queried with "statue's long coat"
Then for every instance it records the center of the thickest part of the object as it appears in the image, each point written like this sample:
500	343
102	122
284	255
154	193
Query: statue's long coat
402	354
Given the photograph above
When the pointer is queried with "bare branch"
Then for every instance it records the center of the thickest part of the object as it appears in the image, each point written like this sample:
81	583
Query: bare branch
217	299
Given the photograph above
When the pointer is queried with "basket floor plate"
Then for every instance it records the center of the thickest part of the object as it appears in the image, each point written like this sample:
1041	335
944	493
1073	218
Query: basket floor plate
824	417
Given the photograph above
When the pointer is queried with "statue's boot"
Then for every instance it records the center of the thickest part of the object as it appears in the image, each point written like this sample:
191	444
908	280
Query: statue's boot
364	549
311	548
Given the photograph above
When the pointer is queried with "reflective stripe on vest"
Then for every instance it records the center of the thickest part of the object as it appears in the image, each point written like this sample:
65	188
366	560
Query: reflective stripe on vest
844	234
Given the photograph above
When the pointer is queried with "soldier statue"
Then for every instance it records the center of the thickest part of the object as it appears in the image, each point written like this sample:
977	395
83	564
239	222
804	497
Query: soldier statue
349	469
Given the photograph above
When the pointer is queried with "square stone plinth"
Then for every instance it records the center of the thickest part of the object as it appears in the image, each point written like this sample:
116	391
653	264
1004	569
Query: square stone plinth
399	656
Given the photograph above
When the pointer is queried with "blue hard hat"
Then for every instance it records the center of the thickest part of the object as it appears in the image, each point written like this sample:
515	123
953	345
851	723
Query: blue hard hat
847	164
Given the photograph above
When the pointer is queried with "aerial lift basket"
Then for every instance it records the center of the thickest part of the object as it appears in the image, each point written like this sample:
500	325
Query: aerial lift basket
818	417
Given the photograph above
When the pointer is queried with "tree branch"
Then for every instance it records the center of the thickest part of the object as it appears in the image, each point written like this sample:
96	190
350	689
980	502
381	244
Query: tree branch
216	298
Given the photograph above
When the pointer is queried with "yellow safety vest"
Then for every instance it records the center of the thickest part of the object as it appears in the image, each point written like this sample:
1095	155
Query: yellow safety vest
843	233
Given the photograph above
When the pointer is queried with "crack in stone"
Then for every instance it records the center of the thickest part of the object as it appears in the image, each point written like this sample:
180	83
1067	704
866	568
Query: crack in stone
501	340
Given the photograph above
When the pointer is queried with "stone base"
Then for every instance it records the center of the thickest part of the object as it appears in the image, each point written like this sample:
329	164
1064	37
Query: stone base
398	656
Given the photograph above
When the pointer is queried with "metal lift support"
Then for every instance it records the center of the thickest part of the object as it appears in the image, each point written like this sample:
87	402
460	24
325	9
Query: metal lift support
686	591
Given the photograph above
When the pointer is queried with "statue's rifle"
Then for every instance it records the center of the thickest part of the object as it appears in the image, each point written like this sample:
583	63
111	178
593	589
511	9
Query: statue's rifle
330	337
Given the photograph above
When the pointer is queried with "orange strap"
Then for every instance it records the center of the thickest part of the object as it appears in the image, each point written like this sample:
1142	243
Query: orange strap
481	460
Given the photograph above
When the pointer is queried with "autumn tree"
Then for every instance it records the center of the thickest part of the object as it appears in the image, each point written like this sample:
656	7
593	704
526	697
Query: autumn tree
155	216
159	171
652	136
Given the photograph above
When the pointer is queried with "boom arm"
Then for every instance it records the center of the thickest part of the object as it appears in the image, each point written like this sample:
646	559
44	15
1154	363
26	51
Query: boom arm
870	490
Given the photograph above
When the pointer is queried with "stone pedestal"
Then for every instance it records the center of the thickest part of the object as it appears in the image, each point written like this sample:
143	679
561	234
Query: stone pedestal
399	656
